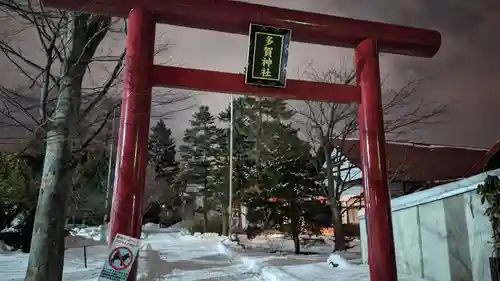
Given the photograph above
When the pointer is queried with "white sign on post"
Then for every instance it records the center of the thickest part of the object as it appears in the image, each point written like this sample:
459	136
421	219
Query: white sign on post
122	255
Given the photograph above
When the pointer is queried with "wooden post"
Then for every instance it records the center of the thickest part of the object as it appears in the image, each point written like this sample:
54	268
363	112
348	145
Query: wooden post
85	255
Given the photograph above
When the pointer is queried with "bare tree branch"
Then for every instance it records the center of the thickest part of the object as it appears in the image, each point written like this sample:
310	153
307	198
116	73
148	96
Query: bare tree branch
48	25
329	125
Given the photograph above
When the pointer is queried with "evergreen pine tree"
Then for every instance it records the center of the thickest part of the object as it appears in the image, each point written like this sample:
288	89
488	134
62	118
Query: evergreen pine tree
162	152
253	124
221	178
199	152
290	179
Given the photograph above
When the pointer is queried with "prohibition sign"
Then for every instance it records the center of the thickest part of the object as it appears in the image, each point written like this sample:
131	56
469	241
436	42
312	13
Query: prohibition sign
122	256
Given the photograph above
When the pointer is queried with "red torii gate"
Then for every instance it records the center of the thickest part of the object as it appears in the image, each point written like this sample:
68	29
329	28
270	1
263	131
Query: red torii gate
367	38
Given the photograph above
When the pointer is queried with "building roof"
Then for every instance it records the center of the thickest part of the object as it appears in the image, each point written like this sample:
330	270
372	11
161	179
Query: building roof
414	162
482	164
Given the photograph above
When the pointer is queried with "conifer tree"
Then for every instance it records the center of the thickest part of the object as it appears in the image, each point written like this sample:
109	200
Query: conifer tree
162	151
199	152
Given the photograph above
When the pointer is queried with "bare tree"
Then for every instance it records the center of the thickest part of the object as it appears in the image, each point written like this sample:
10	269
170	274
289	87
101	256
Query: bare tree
329	125
68	115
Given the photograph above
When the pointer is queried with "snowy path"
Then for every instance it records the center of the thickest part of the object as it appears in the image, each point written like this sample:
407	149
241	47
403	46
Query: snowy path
189	258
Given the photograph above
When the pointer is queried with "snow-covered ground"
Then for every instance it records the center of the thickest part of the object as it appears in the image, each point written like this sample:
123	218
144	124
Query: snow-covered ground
13	264
163	256
176	255
318	265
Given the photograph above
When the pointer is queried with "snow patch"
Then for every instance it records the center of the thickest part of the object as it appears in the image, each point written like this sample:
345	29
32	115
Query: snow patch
267	272
223	249
151	226
90	233
205	235
337	261
256	265
9	229
142	276
15	225
270	273
4	247
94	232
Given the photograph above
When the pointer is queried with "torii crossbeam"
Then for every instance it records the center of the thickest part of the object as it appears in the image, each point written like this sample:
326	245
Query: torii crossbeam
367	38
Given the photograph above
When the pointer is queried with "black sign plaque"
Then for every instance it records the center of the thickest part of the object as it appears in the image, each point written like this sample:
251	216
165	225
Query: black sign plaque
267	56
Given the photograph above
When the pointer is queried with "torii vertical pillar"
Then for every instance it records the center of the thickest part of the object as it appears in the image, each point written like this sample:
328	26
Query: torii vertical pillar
132	151
381	257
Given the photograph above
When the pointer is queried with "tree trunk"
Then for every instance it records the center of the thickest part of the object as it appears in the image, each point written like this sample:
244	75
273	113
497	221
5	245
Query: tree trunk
2	213
296	238
225	220
183	209
47	249
83	35
340	242
205	221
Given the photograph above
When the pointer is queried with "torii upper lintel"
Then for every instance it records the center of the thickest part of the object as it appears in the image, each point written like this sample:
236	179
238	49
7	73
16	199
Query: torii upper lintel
235	17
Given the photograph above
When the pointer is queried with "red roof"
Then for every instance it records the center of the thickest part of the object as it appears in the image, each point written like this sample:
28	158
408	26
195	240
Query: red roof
421	162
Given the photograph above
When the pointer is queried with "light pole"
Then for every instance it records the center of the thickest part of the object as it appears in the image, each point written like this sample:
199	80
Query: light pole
231	139
109	183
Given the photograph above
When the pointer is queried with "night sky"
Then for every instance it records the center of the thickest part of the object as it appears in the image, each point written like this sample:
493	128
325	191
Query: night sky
464	74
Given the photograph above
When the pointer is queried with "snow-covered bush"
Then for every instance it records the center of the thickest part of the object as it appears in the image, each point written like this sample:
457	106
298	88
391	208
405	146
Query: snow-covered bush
275	242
